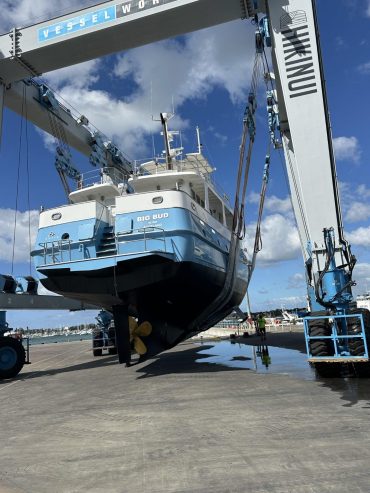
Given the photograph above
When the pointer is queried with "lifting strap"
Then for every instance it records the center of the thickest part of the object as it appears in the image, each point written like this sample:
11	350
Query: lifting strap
208	317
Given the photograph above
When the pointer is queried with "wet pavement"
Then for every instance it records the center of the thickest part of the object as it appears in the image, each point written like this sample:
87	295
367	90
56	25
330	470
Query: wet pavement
260	358
200	418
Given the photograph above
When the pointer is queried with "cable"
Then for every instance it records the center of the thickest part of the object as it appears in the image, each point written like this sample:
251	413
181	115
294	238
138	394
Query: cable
28	182
18	180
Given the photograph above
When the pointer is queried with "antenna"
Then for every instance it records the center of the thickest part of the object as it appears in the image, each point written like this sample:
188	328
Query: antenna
151	107
164	120
198	141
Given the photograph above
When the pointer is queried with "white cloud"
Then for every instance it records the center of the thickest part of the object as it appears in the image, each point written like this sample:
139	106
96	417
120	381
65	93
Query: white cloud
220	56
364	68
273	203
357	211
280	240
363	192
296	281
354	202
359	236
347	149
82	75
22	247
361	275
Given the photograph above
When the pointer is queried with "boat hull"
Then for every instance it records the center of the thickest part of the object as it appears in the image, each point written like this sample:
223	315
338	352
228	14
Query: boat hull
168	294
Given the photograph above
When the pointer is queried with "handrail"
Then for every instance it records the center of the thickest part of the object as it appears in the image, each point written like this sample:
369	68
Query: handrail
55	248
145	230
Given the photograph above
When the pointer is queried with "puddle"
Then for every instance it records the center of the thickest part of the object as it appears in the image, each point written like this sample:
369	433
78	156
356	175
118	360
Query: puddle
260	359
274	360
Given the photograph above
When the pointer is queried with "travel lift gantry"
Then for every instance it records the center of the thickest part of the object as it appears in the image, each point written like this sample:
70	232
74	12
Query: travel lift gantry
298	116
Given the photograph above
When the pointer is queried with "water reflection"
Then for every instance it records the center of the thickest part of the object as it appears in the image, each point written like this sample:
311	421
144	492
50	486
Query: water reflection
261	358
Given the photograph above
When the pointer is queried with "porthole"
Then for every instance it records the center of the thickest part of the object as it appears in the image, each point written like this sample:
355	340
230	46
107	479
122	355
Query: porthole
56	216
65	236
157	200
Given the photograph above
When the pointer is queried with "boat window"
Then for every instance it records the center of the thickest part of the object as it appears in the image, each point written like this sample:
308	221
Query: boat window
157	200
229	219
215	206
197	194
65	236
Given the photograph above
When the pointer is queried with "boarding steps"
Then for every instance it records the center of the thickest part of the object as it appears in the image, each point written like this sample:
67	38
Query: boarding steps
107	245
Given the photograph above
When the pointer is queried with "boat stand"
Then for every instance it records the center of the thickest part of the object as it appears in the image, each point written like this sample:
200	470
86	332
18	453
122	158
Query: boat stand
121	323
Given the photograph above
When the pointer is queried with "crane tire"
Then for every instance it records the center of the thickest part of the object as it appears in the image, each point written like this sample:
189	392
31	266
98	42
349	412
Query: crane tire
356	346
12	357
323	347
320	327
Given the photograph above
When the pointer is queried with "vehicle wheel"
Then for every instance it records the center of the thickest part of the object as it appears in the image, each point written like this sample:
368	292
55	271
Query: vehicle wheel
112	340
322	347
12	357
356	346
97	344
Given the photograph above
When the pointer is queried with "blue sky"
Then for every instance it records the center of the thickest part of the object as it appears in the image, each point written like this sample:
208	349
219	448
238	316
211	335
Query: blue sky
206	75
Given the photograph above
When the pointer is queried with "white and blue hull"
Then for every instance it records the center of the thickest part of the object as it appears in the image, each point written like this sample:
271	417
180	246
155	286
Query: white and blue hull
165	262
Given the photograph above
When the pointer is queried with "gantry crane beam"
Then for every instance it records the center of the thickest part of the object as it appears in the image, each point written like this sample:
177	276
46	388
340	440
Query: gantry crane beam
107	28
77	134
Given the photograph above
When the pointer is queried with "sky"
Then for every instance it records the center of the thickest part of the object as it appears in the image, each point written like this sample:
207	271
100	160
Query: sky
205	76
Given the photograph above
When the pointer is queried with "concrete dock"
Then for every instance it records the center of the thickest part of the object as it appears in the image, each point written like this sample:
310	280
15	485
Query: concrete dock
181	423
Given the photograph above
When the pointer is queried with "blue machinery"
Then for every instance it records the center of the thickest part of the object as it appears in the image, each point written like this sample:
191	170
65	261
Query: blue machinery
345	340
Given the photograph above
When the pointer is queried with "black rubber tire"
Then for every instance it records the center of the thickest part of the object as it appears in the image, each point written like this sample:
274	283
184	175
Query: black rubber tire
356	346
322	347
97	344
112	340
12	357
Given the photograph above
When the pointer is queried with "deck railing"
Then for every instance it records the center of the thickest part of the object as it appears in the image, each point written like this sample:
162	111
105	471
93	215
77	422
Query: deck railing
60	251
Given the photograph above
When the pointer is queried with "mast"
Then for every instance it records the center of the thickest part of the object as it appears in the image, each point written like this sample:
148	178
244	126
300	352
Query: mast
198	141
164	120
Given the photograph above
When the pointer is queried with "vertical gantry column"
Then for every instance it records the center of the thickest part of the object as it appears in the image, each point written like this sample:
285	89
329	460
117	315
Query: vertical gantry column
121	324
2	95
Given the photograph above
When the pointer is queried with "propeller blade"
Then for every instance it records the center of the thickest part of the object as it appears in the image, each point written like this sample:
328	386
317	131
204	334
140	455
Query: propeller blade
132	324
139	346
144	329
